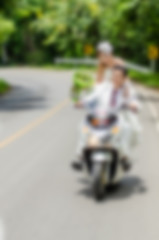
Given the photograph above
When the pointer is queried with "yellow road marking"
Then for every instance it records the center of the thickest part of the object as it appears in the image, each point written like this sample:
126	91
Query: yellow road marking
33	124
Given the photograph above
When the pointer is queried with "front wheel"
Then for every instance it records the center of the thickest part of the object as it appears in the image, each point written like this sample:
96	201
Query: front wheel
99	184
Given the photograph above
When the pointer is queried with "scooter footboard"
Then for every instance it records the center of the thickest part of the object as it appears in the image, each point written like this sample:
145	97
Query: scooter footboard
88	153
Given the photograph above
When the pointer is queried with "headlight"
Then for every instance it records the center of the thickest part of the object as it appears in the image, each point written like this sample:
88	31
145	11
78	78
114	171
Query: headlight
93	141
101	157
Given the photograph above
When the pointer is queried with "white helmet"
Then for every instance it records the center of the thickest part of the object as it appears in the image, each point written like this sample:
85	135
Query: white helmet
105	47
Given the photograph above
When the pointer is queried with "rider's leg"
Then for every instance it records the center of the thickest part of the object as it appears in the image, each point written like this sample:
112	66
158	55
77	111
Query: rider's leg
125	140
125	144
77	164
130	132
135	129
82	139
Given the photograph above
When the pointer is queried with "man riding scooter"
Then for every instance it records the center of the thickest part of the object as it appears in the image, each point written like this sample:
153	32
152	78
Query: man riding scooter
106	99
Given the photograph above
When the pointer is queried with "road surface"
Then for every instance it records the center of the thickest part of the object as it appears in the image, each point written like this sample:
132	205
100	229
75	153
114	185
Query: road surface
41	198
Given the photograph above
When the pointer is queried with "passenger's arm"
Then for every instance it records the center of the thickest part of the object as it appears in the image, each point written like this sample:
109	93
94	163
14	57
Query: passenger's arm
100	74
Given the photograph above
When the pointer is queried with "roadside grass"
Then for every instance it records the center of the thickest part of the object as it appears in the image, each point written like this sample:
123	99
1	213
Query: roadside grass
148	79
4	87
67	66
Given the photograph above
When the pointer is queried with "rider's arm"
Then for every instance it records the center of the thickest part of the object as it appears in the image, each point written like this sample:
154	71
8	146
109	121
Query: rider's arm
88	100
119	62
94	95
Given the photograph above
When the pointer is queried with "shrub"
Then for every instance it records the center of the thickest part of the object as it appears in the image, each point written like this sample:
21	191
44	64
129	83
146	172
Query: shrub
4	86
148	79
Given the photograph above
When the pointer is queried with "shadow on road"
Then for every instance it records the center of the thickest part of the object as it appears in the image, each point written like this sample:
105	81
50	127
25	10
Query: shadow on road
23	98
128	187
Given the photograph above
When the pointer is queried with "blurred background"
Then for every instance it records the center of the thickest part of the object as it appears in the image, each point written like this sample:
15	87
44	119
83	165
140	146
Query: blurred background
40	197
36	31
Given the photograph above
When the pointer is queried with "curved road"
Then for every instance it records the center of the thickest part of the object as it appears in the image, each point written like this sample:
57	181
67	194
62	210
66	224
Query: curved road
41	198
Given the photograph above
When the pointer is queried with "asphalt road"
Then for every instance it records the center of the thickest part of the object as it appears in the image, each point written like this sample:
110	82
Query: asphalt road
41	198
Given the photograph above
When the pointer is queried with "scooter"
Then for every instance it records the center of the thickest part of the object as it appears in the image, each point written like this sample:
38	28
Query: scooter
102	156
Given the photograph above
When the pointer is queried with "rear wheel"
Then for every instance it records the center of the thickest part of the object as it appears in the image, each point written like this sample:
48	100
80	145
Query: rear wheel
99	181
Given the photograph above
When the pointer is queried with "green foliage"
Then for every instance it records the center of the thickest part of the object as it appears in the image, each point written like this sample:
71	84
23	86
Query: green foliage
35	57
4	86
150	79
83	80
82	83
66	25
6	29
64	28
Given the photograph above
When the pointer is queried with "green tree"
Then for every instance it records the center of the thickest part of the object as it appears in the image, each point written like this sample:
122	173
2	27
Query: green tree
68	25
6	29
37	30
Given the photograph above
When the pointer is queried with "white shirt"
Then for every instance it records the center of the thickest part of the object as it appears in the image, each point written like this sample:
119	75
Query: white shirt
99	102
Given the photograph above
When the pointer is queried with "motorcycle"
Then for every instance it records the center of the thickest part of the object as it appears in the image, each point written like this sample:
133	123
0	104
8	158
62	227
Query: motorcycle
102	155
